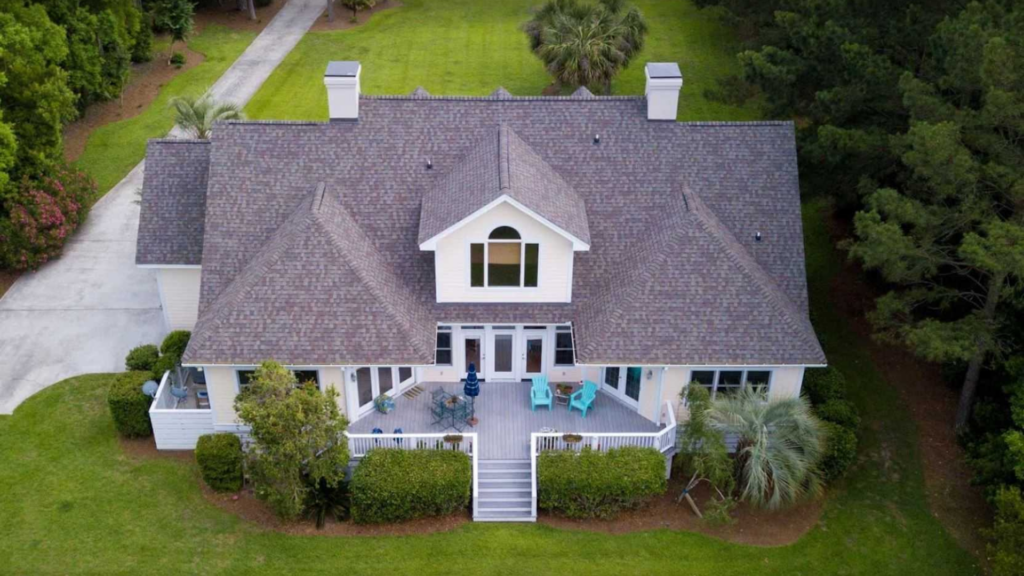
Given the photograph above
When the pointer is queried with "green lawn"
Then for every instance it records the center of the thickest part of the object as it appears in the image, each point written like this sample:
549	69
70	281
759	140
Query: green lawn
113	150
470	47
71	501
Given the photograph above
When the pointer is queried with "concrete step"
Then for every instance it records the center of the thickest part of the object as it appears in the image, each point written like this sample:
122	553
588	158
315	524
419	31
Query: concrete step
504	516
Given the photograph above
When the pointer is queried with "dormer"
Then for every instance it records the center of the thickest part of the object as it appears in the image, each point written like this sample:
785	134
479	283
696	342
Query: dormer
503	226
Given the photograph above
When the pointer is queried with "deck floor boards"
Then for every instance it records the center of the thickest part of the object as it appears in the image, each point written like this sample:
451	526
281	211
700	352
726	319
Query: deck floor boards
506	421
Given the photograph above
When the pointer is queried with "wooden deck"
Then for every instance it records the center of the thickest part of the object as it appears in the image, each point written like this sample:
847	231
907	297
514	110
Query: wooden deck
506	420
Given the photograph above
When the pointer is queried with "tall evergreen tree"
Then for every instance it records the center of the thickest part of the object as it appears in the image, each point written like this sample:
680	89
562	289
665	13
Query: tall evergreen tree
950	236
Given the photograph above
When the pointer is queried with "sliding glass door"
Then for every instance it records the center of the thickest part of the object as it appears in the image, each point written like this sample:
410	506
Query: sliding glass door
623	383
370	382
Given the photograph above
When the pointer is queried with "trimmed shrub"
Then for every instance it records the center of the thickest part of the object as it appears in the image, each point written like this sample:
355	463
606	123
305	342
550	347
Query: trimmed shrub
142	358
174	344
220	461
129	406
594	484
840	452
840	412
392	485
824	384
163	364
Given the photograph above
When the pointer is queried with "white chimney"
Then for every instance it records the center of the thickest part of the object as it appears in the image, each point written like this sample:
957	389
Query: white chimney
664	81
342	82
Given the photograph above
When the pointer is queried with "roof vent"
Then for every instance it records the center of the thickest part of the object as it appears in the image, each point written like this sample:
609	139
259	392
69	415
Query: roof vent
597	138
757	236
430	166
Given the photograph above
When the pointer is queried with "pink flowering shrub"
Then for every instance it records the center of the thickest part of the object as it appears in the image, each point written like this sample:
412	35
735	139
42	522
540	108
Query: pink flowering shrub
41	215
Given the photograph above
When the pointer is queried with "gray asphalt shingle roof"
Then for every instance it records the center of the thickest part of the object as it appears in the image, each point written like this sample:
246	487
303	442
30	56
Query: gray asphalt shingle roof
173	212
501	164
668	278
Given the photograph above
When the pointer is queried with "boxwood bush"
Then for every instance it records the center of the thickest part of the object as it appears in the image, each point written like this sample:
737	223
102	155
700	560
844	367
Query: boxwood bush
594	484
174	344
129	406
840	451
841	412
824	384
391	485
142	358
220	461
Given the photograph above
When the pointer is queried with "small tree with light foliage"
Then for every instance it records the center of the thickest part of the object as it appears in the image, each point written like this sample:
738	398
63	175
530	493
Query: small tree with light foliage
298	438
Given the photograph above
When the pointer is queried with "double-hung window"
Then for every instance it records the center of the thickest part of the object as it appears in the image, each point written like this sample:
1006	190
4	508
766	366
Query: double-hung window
564	355
726	382
504	261
443	355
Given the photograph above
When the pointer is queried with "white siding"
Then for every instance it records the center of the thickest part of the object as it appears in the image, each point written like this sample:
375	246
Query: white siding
180	429
221	385
179	296
451	260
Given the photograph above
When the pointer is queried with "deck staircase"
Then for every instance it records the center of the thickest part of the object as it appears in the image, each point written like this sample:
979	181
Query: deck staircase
504	492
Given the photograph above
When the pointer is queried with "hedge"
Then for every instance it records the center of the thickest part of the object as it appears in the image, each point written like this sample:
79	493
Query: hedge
220	461
594	484
824	384
129	406
840	452
392	485
142	358
841	412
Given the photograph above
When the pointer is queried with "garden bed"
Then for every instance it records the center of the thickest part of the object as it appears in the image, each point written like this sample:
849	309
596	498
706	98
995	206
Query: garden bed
751	526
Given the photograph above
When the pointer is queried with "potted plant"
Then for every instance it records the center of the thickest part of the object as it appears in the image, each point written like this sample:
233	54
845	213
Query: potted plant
384	403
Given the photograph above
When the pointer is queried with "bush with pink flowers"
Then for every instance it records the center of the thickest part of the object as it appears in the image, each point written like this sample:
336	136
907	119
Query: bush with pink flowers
41	214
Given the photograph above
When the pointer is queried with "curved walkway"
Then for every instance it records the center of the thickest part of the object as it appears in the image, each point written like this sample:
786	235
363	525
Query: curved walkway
83	312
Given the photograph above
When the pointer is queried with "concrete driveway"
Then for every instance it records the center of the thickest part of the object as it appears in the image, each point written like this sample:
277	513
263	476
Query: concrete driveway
83	312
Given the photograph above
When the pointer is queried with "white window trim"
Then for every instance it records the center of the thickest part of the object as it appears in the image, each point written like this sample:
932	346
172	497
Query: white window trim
245	368
555	348
486	242
450	348
743	378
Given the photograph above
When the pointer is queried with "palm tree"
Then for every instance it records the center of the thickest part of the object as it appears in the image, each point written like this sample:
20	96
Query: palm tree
586	44
197	116
779	444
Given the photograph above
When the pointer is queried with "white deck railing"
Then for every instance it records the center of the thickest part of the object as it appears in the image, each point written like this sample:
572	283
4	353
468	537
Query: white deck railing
175	428
360	444
664	441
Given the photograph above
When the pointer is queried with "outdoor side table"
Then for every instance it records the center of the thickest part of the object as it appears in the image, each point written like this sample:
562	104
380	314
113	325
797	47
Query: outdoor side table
562	398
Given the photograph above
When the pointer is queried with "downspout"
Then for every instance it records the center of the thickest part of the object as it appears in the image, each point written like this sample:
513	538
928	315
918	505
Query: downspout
661	389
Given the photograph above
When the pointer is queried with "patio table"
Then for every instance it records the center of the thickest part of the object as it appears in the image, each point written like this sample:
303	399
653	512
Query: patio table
454	407
562	398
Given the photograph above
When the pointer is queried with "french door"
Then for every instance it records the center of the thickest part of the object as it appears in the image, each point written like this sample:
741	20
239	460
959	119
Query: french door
473	352
623	383
372	381
533	354
502	347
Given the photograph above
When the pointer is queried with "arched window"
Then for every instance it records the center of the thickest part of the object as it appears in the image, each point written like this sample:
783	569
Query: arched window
504	261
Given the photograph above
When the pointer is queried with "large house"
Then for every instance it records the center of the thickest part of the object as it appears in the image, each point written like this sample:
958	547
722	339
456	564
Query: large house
581	238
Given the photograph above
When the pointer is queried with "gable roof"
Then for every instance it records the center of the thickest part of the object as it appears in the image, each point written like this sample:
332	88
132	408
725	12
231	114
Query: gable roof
314	285
501	165
173	211
718	298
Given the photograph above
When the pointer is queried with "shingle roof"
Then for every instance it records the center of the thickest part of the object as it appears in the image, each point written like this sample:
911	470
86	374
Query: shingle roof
318	274
174	202
720	297
501	164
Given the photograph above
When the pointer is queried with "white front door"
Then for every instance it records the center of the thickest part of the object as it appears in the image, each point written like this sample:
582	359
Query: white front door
532	355
623	383
501	353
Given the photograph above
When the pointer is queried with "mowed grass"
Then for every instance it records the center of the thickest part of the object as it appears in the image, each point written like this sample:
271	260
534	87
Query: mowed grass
470	47
113	150
71	501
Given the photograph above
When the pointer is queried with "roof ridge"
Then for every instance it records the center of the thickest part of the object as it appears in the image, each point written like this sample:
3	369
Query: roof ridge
241	284
742	258
167	140
504	176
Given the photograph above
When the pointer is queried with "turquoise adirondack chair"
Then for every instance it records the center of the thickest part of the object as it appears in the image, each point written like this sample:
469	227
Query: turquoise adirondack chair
540	394
583	399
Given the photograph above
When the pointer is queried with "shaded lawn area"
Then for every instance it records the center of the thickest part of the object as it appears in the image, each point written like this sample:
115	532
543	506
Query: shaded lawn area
470	47
72	501
113	150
